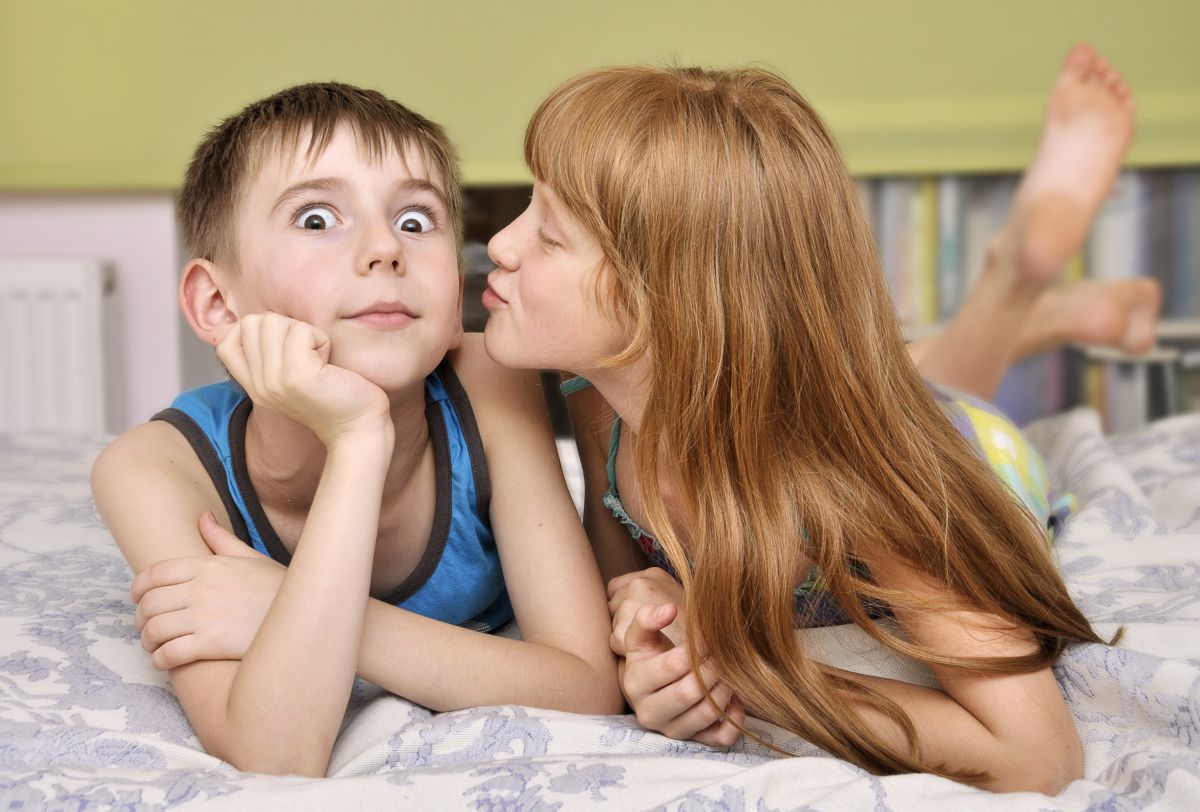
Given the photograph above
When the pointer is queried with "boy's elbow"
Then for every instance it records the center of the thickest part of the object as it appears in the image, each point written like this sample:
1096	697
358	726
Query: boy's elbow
284	759
600	692
606	698
599	704
610	702
278	764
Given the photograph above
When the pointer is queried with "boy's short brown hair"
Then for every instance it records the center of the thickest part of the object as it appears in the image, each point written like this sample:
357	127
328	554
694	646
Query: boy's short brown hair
235	148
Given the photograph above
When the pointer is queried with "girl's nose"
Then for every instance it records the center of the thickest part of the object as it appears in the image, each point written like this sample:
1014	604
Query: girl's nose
502	250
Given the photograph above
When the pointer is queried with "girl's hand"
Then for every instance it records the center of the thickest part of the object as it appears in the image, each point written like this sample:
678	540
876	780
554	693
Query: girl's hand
666	695
207	607
630	592
284	364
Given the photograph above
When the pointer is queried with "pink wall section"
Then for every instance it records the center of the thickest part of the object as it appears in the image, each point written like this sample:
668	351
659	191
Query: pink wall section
136	235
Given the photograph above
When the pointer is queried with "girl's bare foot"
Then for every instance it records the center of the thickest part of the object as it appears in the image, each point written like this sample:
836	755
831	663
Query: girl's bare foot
1122	314
1087	131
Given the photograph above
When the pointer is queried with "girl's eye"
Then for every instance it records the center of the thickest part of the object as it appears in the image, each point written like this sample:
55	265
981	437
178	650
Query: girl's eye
414	221
315	218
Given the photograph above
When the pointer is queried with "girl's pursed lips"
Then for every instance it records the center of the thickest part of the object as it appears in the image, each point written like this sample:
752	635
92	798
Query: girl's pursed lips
491	298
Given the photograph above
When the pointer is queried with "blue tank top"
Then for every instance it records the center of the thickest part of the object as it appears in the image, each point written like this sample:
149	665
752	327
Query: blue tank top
458	579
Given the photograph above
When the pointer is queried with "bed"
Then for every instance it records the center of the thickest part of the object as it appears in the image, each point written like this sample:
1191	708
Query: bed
85	721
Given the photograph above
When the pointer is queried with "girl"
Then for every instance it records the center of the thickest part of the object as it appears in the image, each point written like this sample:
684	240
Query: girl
695	249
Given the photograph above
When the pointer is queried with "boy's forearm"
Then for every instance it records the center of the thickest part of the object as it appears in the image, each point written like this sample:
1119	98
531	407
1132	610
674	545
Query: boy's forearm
294	681
445	667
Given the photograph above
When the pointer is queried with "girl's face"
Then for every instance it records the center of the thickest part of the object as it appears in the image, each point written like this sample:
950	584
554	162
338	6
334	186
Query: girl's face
543	294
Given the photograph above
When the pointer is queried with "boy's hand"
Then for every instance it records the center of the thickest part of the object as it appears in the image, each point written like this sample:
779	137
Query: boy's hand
284	364
630	592
206	607
658	682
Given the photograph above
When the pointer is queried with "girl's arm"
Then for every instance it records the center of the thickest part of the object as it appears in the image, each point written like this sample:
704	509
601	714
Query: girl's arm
615	552
1015	727
655	673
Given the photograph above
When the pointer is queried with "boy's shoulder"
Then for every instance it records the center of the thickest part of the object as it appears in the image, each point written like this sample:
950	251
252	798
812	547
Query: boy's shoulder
484	380
151	451
159	445
147	483
150	445
499	396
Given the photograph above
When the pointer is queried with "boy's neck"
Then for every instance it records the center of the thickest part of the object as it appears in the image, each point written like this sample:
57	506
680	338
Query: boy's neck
285	459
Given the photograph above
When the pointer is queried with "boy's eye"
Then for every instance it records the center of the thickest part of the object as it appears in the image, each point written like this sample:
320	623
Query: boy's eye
315	218
414	221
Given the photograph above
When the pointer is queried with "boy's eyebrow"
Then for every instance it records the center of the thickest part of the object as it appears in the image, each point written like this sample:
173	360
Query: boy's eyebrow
305	186
339	185
423	185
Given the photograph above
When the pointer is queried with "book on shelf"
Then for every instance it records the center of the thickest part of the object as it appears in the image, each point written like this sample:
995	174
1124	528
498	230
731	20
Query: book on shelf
1188	386
951	193
1181	289
932	235
1115	249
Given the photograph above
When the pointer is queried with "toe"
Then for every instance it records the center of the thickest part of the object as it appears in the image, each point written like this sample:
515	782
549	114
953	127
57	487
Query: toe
1080	59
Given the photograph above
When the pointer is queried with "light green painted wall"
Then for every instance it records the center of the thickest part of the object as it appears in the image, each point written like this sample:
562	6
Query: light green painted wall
113	95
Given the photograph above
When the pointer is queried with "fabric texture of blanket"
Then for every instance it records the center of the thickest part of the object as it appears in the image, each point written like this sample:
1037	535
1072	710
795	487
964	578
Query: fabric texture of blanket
85	721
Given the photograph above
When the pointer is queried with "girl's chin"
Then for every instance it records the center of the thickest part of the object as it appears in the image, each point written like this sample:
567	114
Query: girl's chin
507	350
499	349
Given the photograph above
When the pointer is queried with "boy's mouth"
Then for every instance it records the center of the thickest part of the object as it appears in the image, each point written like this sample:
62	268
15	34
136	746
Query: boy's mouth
384	315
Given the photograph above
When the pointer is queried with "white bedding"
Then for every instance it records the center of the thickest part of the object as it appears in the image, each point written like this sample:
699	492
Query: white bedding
85	721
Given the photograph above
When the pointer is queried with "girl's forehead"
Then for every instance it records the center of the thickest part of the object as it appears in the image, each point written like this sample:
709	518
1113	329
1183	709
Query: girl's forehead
555	212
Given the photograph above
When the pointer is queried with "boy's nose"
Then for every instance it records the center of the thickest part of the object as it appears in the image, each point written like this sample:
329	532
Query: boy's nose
382	250
380	263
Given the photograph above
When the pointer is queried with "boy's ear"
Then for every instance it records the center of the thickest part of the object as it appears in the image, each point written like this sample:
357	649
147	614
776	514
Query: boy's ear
204	301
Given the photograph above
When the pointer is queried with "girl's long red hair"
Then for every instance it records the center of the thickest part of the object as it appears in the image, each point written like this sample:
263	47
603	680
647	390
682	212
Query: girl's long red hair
784	400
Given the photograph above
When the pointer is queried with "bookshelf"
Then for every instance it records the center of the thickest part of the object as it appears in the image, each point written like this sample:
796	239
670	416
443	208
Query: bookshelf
932	233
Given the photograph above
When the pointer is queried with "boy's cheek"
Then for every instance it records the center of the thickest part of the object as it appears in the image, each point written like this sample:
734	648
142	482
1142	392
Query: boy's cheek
219	333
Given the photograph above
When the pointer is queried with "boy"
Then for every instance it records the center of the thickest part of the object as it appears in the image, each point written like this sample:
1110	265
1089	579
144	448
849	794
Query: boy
374	450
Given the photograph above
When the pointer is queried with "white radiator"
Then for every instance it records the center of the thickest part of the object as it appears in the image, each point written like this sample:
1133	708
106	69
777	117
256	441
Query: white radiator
53	336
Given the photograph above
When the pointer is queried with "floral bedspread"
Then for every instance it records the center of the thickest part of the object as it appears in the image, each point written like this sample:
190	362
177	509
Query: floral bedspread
86	722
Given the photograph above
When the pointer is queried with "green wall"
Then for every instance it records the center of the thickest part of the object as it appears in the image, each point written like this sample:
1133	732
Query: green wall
113	95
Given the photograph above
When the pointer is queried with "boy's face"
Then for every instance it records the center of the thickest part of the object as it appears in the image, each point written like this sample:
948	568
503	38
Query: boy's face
363	250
